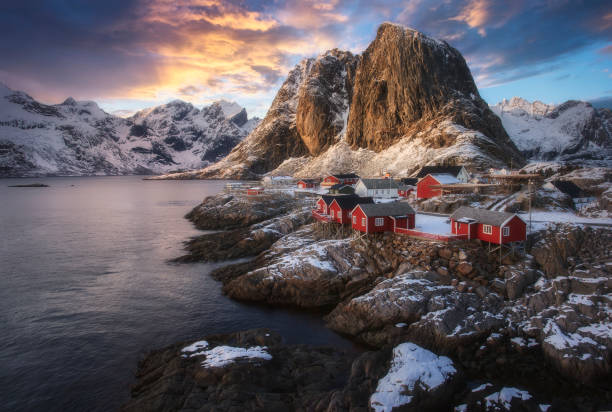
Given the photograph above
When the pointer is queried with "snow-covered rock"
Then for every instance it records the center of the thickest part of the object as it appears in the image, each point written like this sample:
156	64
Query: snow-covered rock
413	370
79	138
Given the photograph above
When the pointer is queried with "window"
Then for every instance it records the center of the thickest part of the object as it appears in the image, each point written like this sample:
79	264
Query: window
487	229
506	231
379	221
363	222
354	220
333	213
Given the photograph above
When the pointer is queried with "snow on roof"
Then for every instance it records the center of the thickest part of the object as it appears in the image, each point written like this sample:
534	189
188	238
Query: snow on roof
411	365
448	170
444	178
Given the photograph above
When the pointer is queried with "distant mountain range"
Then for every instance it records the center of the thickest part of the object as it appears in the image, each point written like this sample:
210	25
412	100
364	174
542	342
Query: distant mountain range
572	131
78	138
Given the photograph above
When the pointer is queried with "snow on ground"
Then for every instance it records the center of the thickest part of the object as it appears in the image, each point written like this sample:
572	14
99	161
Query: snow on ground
542	218
195	347
221	356
432	224
411	365
504	398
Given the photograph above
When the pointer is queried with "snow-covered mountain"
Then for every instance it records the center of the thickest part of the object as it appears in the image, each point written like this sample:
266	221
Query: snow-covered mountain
572	131
409	100
79	138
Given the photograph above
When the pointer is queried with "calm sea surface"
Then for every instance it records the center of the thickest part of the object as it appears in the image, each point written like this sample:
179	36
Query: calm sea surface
86	290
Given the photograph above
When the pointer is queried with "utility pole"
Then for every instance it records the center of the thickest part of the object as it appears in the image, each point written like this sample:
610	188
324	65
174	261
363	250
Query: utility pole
529	187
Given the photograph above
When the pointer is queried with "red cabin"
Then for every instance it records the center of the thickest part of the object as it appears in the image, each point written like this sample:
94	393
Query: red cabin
345	179
488	225
307	184
254	191
341	207
382	217
425	189
322	210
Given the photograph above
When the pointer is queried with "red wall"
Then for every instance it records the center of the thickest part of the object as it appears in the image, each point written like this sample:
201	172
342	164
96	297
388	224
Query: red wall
424	191
305	185
321	206
331	179
359	214
518	230
340	216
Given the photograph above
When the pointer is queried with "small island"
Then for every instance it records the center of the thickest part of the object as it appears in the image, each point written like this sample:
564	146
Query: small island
31	185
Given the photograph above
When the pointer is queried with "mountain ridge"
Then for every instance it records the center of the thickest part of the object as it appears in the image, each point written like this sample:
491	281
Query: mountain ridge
571	131
408	100
79	138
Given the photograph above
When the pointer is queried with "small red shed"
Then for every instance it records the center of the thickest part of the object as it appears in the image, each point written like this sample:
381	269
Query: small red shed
404	191
341	207
307	184
325	201
382	217
345	179
488	225
424	189
254	191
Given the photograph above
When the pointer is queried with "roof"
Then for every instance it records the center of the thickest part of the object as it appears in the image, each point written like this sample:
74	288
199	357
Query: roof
379	183
346	176
568	187
349	202
387	209
410	181
488	217
330	198
444	179
339	186
450	170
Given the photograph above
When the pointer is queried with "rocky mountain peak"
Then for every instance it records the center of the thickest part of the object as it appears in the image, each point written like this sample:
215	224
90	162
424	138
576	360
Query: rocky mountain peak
69	102
403	77
405	87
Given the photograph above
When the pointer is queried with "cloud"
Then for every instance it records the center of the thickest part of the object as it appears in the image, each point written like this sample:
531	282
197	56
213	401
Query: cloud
152	50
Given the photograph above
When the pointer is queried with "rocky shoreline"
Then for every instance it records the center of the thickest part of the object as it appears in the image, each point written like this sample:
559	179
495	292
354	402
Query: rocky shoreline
528	332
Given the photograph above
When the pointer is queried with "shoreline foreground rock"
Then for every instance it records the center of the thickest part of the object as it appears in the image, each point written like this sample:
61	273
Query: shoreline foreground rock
531	332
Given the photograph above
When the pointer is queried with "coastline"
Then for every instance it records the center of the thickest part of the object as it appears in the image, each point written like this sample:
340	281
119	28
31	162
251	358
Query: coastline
449	299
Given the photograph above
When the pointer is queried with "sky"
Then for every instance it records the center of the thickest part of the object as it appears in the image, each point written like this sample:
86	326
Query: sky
132	54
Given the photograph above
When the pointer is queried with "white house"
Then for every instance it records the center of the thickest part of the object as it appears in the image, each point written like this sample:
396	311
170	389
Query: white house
385	188
459	172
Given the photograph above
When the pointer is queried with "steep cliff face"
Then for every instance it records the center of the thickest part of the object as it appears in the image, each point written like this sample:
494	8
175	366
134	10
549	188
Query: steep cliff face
572	131
407	82
323	100
409	100
307	116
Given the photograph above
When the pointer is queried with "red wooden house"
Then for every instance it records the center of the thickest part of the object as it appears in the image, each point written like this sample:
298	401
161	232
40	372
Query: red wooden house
345	179
254	191
425	189
406	186
341	207
382	217
307	183
488	225
322	209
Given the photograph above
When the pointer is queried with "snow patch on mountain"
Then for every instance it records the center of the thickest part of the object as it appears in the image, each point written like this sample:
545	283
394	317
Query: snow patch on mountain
574	130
